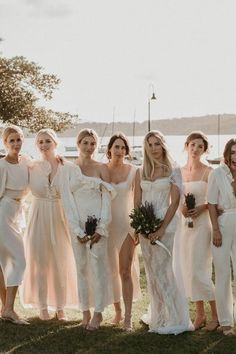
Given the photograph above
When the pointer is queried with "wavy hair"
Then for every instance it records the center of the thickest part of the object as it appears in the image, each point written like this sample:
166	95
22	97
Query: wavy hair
227	151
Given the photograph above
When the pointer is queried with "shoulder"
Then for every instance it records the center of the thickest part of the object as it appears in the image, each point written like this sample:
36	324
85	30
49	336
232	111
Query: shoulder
104	172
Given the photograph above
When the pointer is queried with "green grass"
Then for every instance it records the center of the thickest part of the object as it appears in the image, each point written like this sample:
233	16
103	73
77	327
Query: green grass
57	338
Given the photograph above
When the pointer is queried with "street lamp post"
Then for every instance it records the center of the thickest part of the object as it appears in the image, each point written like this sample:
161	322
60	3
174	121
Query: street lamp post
153	97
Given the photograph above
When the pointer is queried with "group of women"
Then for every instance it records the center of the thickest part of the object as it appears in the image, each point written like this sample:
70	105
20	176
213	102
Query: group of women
60	264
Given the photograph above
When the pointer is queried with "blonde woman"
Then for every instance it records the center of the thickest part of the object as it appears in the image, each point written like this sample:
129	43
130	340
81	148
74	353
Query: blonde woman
121	242
159	183
87	193
195	243
13	189
50	276
222	194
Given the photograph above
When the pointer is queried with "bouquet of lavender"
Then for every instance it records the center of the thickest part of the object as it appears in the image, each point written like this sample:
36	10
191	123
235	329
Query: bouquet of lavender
90	225
191	204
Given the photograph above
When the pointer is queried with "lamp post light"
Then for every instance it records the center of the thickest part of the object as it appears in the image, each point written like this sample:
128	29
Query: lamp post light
153	97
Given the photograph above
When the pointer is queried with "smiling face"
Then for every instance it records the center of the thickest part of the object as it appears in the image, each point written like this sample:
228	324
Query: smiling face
87	146
13	143
118	149
155	148
46	144
233	158
195	148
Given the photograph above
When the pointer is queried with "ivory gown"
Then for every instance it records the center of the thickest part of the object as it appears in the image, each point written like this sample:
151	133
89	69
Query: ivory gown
119	228
13	185
85	196
50	277
195	248
168	310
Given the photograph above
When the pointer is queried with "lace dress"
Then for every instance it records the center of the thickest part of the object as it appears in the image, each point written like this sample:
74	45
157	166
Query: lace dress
168	310
119	228
195	248
85	196
13	188
50	276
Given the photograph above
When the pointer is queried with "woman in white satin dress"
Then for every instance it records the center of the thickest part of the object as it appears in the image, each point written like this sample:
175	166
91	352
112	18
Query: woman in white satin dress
50	276
195	258
121	242
222	194
83	197
159	183
13	188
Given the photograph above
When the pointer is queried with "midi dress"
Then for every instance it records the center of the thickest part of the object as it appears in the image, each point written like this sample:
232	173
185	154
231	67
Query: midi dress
168	310
195	256
13	189
119	228
85	196
50	278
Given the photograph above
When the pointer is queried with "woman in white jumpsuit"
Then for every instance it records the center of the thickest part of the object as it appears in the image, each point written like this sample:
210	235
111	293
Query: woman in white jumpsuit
222	193
159	183
121	242
85	192
13	189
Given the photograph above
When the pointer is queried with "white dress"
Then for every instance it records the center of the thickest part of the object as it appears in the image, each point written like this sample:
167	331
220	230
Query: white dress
50	278
13	185
195	248
85	196
119	228
168	310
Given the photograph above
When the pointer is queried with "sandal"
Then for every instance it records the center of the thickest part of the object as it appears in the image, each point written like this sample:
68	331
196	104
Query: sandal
212	325
95	323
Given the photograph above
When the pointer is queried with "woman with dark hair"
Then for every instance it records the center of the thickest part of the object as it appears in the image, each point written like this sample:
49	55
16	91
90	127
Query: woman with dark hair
13	190
194	243
222	194
121	241
159	183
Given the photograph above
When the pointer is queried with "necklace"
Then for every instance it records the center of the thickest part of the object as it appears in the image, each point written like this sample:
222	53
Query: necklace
13	160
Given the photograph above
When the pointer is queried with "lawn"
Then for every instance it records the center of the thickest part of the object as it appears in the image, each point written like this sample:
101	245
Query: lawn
67	337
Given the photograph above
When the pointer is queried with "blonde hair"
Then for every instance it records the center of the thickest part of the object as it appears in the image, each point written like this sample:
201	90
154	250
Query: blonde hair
50	132
149	162
86	132
11	129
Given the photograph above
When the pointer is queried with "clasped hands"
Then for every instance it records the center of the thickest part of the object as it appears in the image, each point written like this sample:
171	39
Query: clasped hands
157	235
192	213
94	239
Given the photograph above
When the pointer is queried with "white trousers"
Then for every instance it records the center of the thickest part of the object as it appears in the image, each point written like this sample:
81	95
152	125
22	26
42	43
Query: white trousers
221	259
94	285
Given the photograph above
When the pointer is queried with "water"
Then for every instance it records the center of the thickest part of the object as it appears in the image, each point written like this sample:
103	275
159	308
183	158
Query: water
175	144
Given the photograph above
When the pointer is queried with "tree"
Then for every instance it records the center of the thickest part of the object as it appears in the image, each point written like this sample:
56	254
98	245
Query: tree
22	85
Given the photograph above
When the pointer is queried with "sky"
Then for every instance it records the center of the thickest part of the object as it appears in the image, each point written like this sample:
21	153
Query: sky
111	54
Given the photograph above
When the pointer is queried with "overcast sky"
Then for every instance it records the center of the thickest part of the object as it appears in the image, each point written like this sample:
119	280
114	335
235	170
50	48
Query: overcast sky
109	53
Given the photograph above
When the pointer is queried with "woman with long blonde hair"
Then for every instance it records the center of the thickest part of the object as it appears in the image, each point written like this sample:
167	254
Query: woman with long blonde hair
159	183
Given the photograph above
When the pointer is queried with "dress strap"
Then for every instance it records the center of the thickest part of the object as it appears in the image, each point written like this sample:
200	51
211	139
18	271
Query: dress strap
203	175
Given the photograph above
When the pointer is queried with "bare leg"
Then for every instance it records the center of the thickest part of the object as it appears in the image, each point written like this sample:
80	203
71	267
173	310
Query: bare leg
214	323
96	321
200	320
86	318
8	310
2	290
118	314
125	260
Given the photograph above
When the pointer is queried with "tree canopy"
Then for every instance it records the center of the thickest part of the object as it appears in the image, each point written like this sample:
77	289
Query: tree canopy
22	85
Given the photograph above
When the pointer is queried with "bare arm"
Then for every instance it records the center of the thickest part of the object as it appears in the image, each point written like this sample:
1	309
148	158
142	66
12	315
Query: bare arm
217	237
137	190
104	173
175	197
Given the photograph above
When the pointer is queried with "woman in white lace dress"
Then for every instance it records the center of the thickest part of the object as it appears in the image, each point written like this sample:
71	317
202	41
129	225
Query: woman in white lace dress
121	241
13	189
85	192
222	194
50	276
194	243
159	183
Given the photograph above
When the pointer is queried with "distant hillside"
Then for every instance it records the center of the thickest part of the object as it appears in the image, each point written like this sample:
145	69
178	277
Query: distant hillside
176	126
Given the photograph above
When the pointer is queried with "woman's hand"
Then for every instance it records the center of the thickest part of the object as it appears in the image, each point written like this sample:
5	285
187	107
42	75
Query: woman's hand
94	239
157	235
194	213
84	239
217	238
136	239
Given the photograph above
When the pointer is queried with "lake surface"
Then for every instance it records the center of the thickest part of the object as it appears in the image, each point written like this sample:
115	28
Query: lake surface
174	142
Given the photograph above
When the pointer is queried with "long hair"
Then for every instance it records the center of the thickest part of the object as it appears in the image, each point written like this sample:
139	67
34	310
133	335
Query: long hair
149	162
113	138
227	151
